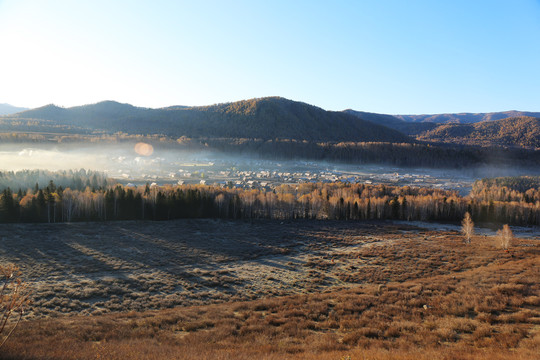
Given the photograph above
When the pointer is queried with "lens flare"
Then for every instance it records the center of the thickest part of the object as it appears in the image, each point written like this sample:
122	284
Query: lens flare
144	149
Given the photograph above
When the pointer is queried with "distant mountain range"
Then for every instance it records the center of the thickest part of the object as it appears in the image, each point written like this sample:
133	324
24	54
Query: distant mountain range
509	128
521	131
391	121
265	118
467	118
278	118
6	109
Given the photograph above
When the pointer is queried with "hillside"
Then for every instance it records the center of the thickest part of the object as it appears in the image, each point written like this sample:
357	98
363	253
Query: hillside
466	118
515	131
280	128
6	109
394	122
265	118
487	129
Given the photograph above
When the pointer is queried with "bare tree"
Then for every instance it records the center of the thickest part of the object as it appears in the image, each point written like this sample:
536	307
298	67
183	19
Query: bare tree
14	296
505	236
220	201
467	227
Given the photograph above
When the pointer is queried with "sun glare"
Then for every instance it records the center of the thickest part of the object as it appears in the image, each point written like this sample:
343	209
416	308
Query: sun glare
144	149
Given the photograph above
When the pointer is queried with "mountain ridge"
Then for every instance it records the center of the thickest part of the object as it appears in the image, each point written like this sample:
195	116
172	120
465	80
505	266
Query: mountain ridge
467	118
521	131
262	118
7	109
272	118
384	119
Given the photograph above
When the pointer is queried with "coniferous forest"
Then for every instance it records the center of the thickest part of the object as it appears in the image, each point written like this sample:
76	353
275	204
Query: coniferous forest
505	200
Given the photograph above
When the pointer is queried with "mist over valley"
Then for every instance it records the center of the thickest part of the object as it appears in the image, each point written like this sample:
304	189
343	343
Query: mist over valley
276	180
270	180
165	165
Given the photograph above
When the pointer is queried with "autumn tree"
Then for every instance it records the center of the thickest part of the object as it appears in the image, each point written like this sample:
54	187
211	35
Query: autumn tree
467	227
505	237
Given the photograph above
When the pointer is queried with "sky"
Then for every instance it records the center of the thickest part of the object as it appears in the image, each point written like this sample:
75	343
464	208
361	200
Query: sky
385	56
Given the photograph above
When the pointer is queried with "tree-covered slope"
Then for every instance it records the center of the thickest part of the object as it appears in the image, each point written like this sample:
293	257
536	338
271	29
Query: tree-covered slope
6	109
516	131
394	122
265	118
467	118
278	118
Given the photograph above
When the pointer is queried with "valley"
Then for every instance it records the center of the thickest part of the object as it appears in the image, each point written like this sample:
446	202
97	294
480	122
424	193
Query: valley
173	166
273	180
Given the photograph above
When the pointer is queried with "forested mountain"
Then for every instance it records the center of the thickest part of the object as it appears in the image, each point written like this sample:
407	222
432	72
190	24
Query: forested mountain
416	124
6	109
515	131
466	118
275	127
279	118
106	115
265	118
519	131
393	122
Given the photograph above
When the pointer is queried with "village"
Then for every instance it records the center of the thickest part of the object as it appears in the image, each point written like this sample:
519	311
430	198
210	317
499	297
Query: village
269	174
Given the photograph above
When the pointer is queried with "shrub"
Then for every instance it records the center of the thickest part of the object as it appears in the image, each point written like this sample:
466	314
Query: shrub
467	227
505	237
13	299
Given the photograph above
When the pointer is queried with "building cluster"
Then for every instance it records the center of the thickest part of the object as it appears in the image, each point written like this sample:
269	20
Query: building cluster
269	175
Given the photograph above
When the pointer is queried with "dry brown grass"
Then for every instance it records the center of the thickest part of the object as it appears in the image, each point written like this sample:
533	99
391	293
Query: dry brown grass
405	293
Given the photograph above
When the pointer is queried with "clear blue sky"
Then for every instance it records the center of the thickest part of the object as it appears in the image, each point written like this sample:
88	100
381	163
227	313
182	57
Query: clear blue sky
397	57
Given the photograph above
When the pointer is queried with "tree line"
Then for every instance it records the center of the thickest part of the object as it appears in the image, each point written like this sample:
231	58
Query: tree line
508	189
392	153
336	201
36	179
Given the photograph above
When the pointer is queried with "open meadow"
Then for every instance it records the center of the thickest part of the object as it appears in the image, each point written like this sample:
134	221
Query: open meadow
269	180
271	290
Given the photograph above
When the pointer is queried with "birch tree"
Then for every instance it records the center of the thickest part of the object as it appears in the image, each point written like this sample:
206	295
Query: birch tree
467	227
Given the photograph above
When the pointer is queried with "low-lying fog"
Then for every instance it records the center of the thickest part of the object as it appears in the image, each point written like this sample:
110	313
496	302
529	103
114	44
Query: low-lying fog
137	165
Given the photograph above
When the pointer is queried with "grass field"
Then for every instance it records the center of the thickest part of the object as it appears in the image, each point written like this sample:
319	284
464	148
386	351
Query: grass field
271	290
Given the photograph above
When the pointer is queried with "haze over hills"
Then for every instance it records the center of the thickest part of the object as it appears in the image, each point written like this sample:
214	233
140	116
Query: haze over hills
264	118
6	109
